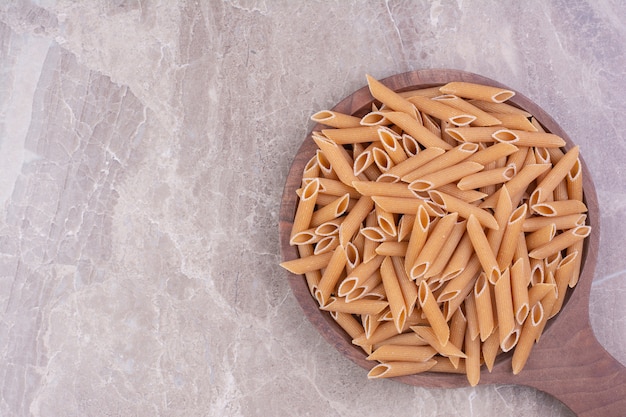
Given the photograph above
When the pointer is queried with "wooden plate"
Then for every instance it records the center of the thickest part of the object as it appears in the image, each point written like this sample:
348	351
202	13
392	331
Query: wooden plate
568	362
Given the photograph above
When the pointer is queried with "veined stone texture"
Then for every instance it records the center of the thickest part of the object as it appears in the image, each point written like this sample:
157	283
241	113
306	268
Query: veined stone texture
144	147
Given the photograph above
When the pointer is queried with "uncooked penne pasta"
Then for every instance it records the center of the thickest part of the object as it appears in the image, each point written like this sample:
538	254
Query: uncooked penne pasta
416	130
445	160
477	91
484	307
442	111
393	369
389	97
559	208
445	176
488	177
439	231
433	314
482	118
483	250
335	119
452	204
432	246
394	293
560	242
529	333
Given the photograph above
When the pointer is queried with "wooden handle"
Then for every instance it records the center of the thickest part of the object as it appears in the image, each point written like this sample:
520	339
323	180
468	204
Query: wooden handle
587	379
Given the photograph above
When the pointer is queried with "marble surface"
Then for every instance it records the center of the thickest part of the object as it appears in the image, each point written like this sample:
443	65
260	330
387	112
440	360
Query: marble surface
143	150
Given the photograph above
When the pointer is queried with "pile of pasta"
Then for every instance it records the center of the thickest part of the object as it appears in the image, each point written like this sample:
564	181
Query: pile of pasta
440	229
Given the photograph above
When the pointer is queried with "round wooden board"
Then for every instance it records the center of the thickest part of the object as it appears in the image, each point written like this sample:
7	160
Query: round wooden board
568	362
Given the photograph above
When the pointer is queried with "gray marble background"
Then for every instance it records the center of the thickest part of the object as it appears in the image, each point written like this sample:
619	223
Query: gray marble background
143	150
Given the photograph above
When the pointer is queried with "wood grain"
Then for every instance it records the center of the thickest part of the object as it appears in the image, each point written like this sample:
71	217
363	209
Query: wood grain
568	362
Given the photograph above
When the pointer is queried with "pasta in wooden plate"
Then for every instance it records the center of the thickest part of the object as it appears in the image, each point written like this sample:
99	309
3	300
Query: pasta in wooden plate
450	227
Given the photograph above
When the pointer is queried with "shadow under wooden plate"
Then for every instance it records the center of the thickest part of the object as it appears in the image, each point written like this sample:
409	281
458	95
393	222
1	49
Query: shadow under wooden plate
567	363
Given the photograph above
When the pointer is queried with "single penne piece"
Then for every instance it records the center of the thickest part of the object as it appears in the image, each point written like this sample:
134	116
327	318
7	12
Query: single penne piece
409	290
521	252
445	365
474	134
452	204
359	276
574	181
306	206
447	250
335	119
429	92
353	256
491	107
472	362
390	98
560	242
458	324
477	91
394	293
556	175
418	237
560	192
493	153
392	248
527	338
362	162
514	121
445	176
562	277
341	162
361	306
484	307
330	211
504	307
490	349
412	127
331	276
337	188
482	118
519	291
487	177
537	271
537	292
534	223
432	246
576	247
510	238
375	118
441	111
393	369
311	169
410	145
326	244
307	263
483	250
360	134
392	353
322	161
386	221
433	314
312	277
382	160
350	225
305	237
524	138
471	313
445	160
397	171
373	188
540	237
391	143
559	208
